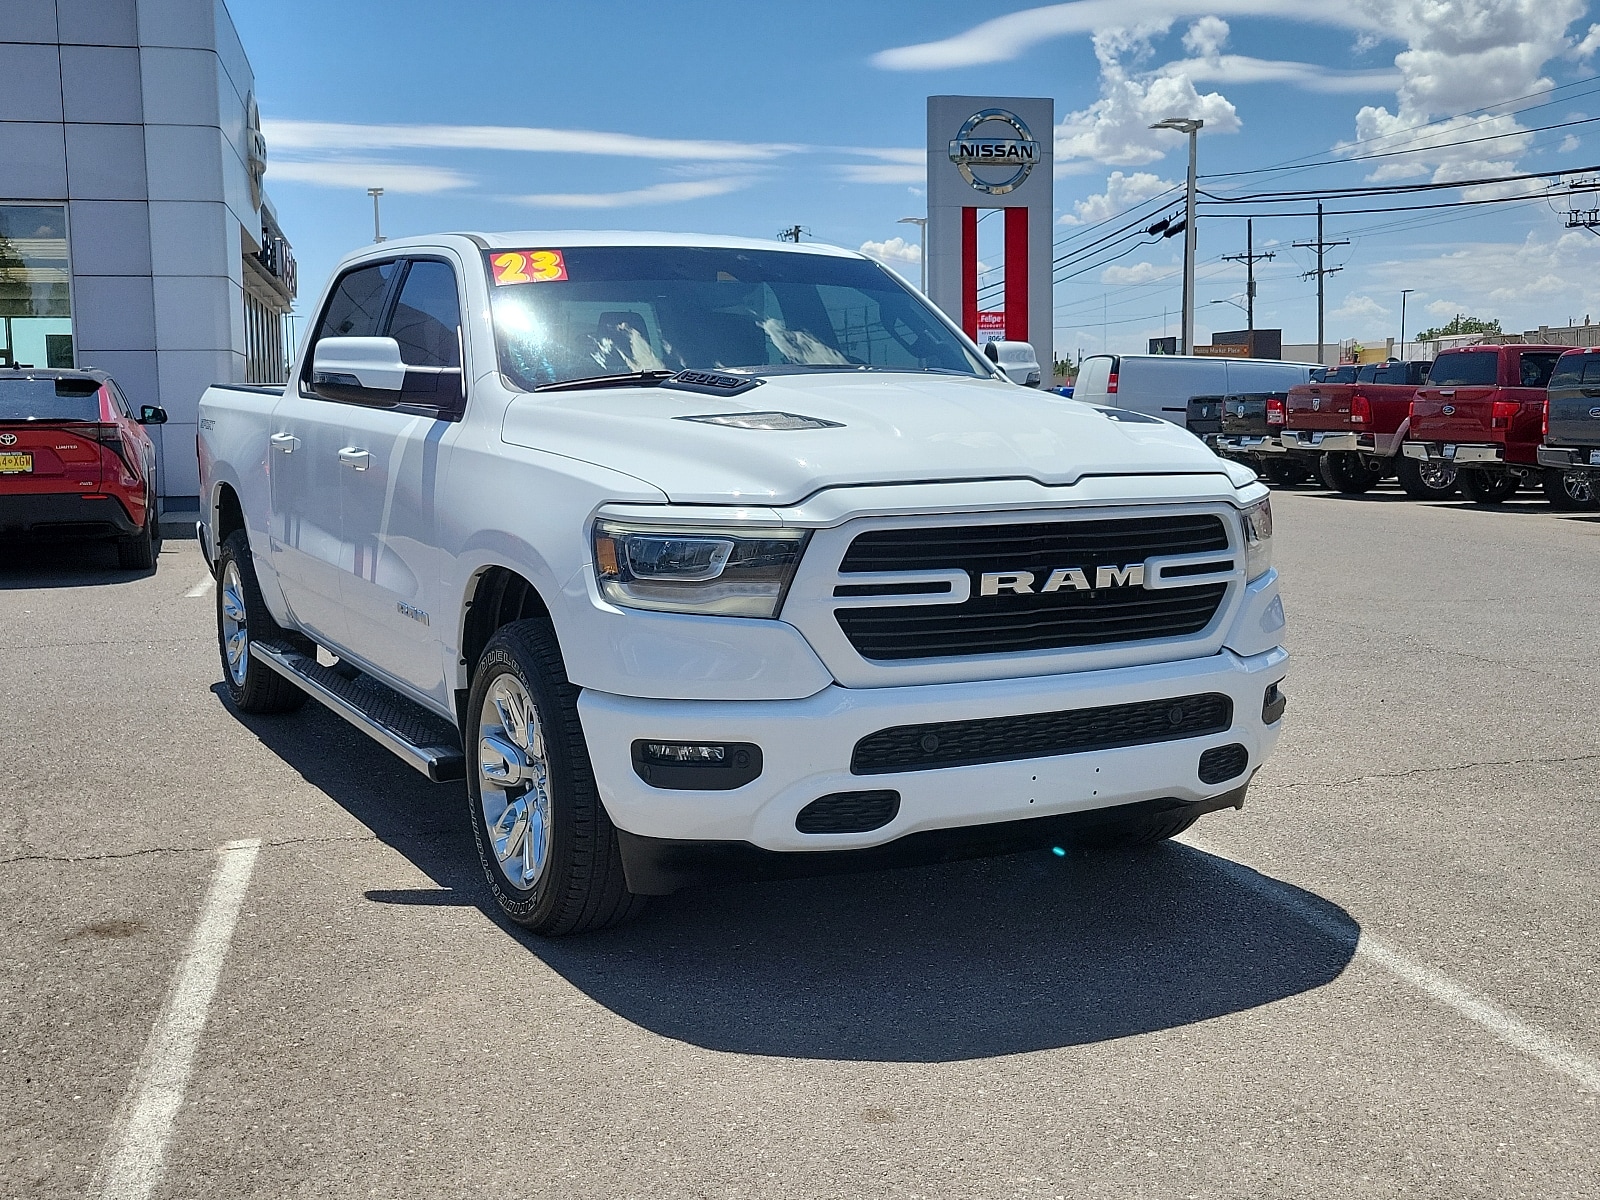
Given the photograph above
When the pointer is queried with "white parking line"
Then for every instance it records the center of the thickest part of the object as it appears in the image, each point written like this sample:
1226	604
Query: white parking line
200	589
1530	1039
130	1166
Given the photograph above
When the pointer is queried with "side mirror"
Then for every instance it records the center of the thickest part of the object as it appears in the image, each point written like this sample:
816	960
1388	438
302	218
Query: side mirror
1017	360
358	370
152	414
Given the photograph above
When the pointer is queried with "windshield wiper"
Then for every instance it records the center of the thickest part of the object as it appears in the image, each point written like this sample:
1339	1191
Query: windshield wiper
605	381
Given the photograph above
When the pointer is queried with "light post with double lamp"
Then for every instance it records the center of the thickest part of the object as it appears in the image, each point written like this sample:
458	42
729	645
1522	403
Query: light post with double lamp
1192	127
922	245
377	230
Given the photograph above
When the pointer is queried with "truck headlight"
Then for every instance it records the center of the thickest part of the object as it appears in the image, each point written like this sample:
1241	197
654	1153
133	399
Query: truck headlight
1257	521
713	571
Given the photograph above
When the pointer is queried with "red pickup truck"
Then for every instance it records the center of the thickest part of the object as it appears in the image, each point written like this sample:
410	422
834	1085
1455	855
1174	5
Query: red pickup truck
1351	427
1482	410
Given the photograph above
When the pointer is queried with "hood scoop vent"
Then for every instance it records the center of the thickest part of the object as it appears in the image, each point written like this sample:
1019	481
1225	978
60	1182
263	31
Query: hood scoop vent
764	420
712	383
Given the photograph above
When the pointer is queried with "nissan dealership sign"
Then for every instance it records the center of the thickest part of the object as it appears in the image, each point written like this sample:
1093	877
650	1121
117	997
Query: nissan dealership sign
994	151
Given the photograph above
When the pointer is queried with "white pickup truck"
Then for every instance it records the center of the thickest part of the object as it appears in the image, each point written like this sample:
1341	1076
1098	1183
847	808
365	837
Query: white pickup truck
701	558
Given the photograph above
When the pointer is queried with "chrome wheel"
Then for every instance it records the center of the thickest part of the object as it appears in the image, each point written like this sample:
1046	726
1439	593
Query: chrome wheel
235	623
514	782
1579	488
1437	475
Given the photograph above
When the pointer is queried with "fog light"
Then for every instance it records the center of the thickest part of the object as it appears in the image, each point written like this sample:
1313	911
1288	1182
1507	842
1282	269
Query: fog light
1272	705
696	766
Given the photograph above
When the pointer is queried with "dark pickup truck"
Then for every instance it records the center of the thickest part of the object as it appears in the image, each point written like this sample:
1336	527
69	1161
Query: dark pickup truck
1482	410
1570	452
1246	428
1352	424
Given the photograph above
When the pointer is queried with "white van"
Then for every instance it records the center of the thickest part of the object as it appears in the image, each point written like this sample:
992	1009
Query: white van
1161	385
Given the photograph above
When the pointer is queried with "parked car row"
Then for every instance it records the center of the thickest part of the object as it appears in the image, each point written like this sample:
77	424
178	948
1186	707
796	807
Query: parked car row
1483	421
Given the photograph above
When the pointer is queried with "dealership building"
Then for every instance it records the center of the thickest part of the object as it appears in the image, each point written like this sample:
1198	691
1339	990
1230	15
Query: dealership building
134	232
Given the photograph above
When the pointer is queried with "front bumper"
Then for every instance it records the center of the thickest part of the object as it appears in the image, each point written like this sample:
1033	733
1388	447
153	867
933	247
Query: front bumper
1318	441
807	748
1459	454
1566	458
65	515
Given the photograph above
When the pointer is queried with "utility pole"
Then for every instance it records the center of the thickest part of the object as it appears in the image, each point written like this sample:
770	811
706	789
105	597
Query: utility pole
1249	258
1192	127
1404	292
1321	245
377	230
922	256
792	234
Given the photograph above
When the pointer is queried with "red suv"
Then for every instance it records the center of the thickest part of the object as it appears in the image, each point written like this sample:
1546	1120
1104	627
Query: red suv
75	461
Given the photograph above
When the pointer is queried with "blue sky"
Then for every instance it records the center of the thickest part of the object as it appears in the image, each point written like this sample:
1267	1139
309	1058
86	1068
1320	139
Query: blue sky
744	118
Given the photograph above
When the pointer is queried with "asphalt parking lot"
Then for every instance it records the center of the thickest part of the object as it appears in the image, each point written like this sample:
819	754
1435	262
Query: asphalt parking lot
1380	979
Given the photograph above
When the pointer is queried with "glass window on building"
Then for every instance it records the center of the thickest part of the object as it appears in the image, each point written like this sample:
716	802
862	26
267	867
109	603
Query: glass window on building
35	304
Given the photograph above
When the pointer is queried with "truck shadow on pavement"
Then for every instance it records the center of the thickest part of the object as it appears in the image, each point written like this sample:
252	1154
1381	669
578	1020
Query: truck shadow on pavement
923	964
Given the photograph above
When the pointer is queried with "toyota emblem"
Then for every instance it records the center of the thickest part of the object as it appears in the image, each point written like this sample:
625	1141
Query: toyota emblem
8	439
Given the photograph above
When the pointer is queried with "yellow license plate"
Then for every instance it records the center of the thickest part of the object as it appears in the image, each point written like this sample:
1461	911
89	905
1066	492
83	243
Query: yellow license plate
11	464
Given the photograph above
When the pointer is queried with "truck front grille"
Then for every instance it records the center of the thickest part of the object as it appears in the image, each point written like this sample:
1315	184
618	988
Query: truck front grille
1008	623
1040	735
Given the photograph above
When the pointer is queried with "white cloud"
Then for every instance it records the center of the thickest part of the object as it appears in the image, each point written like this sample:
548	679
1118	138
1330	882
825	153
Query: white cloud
1568	144
1311	77
1122	192
1444	308
1206	37
883	173
391	177
1115	129
893	252
1138	273
659	193
1458	54
333	135
1357	307
1004	39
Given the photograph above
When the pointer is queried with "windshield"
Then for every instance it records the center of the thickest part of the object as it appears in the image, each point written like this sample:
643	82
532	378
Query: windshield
566	314
49	399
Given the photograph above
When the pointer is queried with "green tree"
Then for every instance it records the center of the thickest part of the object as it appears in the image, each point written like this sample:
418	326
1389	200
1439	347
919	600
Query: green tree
1459	324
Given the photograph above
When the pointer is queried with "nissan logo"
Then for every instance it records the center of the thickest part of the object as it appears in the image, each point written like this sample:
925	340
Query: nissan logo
1021	152
1449	410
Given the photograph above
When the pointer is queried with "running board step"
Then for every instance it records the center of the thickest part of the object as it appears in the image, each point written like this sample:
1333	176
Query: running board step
416	735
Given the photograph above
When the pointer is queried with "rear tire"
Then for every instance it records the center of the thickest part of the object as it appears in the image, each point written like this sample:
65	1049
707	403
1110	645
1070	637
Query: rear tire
546	844
1347	472
138	553
1570	491
242	616
1131	832
1484	487
1427	480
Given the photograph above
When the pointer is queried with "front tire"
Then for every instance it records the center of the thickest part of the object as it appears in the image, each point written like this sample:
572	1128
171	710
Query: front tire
1488	488
1427	480
242	616
547	847
1570	491
1142	829
1348	473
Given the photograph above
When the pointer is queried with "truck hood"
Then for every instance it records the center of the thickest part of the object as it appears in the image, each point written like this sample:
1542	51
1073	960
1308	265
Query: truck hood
887	428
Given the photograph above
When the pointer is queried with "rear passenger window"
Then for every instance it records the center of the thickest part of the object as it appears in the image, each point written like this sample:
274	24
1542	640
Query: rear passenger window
1536	369
427	317
1475	368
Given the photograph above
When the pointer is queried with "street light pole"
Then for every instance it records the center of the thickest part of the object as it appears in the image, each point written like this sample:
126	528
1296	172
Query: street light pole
1192	127
1404	292
377	231
922	250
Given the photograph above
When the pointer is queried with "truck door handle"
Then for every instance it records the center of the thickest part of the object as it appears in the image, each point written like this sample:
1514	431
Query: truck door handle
355	457
1447	391
285	442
